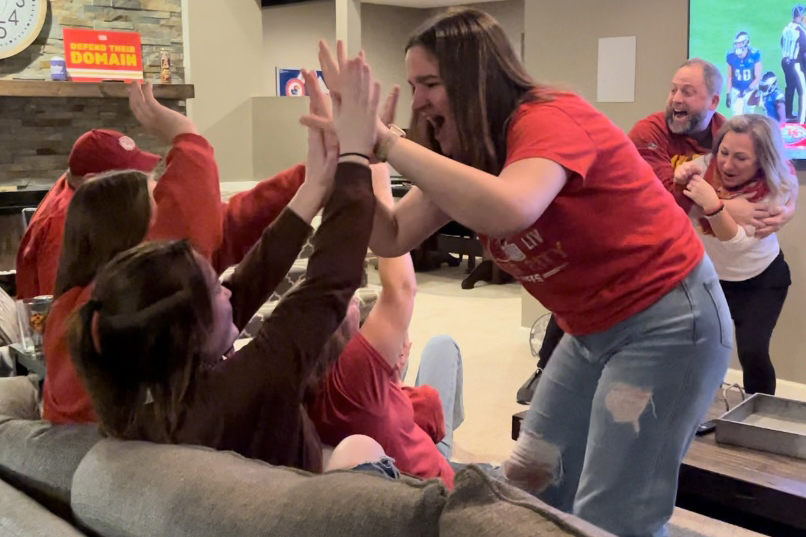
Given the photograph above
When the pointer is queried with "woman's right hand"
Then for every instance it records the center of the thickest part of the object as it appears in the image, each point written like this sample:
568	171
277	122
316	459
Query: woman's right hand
703	194
684	172
355	112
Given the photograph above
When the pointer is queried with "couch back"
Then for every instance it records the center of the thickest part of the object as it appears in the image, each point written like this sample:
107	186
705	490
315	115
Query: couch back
114	488
36	457
132	489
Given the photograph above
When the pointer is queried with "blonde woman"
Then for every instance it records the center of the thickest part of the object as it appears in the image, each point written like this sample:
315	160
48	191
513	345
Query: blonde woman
747	161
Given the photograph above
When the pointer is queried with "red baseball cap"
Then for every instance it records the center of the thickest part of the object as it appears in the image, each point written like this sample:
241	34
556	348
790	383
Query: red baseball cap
99	151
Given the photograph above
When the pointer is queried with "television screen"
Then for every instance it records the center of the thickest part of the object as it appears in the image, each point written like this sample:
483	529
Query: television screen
760	48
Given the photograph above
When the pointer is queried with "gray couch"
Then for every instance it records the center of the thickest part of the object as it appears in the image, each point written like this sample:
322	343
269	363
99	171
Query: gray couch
69	481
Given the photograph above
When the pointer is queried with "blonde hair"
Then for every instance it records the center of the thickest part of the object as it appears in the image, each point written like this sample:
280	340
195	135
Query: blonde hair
770	153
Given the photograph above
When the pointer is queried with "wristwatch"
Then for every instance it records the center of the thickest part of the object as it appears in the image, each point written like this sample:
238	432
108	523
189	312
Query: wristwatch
383	146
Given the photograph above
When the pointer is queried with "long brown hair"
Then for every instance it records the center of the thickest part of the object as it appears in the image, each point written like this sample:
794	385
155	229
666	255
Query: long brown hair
484	79
108	214
138	343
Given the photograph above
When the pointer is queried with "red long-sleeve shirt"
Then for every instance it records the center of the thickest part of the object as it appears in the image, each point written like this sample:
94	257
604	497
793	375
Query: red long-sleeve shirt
188	206
665	151
222	232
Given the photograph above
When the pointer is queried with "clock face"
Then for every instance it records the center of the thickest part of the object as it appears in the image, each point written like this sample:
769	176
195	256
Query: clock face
20	23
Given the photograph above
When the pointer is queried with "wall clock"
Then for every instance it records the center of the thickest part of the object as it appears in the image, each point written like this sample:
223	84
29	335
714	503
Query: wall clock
20	23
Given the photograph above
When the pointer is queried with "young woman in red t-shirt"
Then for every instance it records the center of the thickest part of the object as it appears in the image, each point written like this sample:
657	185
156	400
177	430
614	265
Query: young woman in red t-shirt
562	200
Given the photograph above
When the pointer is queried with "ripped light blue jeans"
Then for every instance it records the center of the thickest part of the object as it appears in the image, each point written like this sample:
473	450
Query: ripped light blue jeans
616	411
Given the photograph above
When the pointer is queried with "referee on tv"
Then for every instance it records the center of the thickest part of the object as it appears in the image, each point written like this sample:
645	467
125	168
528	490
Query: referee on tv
793	62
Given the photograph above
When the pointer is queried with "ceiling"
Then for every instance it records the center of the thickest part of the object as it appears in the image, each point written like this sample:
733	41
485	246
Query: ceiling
427	4
422	4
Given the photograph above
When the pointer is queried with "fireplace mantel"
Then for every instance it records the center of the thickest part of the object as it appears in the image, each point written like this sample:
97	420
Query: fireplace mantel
88	90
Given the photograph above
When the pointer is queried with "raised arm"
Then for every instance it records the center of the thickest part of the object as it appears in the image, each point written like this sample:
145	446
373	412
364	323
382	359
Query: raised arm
388	322
267	263
300	325
294	335
187	195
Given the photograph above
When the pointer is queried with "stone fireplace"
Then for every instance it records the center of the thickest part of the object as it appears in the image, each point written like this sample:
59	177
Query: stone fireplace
40	119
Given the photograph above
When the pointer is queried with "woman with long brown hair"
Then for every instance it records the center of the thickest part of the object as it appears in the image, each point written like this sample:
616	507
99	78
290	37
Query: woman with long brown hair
562	200
154	343
108	214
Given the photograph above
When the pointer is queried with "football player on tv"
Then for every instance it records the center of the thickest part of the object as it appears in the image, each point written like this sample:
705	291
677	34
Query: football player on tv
744	73
793	45
771	97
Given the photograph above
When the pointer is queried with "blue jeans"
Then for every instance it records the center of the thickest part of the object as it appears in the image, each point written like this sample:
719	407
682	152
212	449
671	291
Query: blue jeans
616	411
385	467
441	368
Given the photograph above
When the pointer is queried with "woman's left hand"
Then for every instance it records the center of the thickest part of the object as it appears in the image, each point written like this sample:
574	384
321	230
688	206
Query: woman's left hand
702	194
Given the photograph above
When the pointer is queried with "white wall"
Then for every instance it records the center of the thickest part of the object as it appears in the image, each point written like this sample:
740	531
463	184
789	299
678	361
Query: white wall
223	47
290	37
562	47
291	33
510	14
385	31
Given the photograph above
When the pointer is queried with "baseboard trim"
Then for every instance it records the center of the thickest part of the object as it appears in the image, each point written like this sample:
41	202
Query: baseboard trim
785	388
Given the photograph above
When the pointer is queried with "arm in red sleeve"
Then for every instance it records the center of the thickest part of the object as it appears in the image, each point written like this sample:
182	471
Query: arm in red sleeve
188	196
27	272
653	146
248	213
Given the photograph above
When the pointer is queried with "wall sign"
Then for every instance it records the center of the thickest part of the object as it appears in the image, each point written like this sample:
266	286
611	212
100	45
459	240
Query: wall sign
95	55
290	83
20	23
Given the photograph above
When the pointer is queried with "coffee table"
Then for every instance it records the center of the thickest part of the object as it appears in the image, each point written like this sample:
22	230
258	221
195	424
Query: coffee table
760	491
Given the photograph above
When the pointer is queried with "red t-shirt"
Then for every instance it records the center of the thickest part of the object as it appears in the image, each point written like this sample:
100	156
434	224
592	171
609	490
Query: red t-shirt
361	395
665	150
613	242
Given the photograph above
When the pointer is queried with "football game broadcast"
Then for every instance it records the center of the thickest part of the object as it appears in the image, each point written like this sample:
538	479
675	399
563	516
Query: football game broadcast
762	56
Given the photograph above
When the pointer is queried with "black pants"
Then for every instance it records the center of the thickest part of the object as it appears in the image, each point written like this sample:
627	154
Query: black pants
793	84
550	341
755	305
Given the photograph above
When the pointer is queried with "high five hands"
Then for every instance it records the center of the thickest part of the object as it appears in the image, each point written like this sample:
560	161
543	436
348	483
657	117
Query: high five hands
355	99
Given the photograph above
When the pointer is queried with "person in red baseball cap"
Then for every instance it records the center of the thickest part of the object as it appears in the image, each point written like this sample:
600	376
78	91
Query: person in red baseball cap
187	194
101	150
186	204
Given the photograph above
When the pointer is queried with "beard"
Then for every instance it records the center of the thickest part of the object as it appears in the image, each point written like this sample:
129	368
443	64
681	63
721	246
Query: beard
687	127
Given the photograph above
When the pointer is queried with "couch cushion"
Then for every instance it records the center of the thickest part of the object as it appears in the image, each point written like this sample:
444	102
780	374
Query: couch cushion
35	456
127	489
481	506
23	517
18	398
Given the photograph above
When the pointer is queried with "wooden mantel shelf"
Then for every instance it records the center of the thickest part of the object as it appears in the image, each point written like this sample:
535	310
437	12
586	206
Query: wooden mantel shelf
91	90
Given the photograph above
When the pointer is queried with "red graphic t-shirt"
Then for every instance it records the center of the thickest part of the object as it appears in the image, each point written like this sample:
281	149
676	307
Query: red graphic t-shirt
613	242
